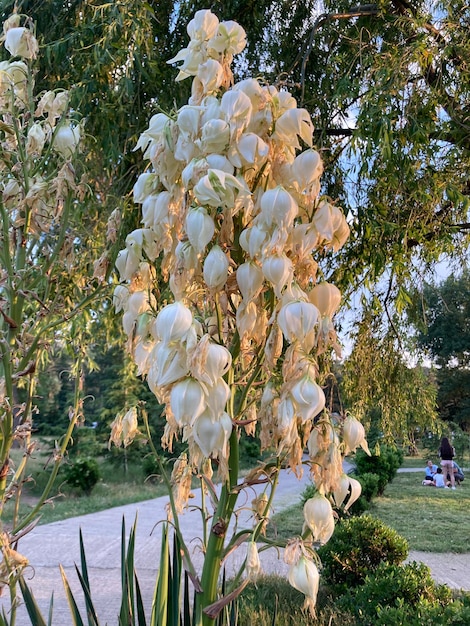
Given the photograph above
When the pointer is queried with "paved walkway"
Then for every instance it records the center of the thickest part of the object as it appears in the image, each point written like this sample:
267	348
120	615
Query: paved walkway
49	545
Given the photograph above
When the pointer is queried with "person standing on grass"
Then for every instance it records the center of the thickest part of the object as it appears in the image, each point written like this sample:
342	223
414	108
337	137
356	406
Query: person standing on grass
447	453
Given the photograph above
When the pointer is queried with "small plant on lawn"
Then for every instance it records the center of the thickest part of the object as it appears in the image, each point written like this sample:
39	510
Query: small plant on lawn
82	474
357	548
384	463
396	594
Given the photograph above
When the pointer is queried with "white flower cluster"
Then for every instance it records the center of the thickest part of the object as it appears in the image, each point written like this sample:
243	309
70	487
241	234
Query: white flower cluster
232	213
30	131
231	220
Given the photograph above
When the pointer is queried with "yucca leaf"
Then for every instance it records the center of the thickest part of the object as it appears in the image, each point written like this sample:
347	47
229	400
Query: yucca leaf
160	602
125	613
174	581
76	617
234	613
90	609
31	605
141	621
186	608
51	610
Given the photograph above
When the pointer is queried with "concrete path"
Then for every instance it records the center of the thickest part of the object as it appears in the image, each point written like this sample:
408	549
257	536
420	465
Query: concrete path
49	545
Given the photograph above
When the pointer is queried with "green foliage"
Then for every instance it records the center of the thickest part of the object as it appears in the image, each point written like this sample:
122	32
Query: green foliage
440	314
381	389
358	546
84	443
396	594
82	474
384	465
370	489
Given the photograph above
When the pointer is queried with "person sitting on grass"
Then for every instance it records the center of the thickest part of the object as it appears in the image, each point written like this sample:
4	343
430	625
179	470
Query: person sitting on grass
458	473
439	480
430	470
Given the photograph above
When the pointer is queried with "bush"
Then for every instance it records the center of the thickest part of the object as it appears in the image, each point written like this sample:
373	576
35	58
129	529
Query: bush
396	594
82	474
385	464
370	488
357	548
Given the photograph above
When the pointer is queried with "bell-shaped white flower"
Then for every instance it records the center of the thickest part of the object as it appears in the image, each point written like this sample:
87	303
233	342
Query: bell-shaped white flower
173	322
188	401
292	123
250	280
36	139
306	169
218	362
326	297
66	140
254	240
203	26
304	577
318	515
145	185
218	189
354	435
215	269
200	228
215	137
331	224
127	262
347	486
298	321
217	396
253	563
278	207
20	42
308	397
249	150
212	435
236	108
230	39
278	269
188	120
211	75
120	297
168	364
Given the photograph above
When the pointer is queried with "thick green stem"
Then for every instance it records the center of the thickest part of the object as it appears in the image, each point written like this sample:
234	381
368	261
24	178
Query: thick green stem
215	545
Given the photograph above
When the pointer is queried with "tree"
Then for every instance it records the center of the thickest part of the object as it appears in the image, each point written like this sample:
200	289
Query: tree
442	318
396	400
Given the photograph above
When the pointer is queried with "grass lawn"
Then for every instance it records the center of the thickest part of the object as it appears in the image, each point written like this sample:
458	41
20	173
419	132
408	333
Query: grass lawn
432	520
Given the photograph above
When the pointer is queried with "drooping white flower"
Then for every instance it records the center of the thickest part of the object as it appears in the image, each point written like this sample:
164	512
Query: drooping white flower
168	364
278	207
215	137
292	123
354	435
215	269
188	401
326	297
318	515
230	39
278	269
211	75
298	321
253	563
20	42
250	280
212	435
36	139
173	322
306	169
66	140
347	485
200	228
304	577
308	397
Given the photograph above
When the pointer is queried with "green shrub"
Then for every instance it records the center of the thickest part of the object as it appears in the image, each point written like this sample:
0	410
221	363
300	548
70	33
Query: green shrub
357	548
385	464
396	594
82	474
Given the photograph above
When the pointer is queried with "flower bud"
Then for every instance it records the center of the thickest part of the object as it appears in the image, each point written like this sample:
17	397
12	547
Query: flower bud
66	140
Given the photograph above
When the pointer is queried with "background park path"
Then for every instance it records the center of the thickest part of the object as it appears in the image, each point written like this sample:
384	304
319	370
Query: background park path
57	543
